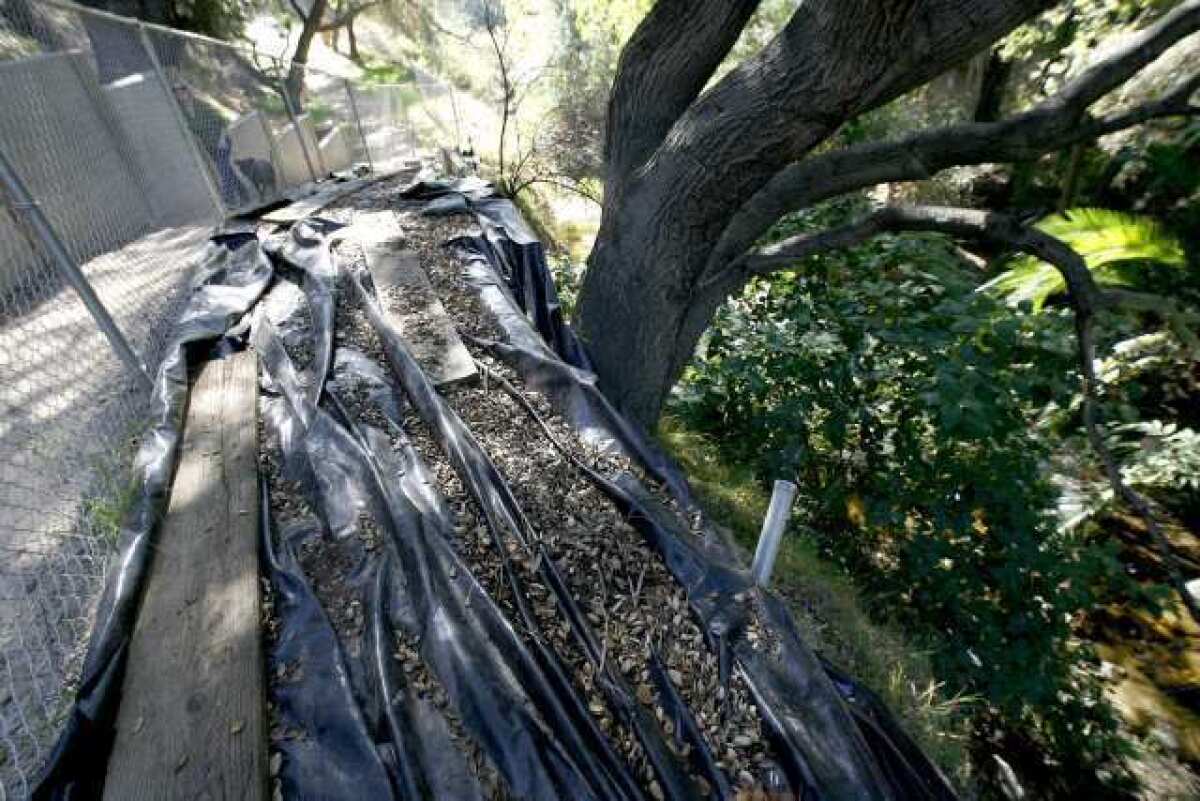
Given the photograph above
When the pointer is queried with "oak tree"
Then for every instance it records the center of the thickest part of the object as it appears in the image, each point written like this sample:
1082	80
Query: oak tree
698	171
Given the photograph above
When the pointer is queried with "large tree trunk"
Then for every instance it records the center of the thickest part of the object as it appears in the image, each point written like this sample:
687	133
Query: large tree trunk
630	314
295	76
355	56
680	167
991	93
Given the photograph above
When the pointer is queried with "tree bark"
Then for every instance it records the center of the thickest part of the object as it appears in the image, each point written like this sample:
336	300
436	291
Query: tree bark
685	199
312	26
671	188
990	105
355	56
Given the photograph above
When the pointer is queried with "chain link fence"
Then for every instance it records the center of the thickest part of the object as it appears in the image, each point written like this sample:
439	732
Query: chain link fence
121	146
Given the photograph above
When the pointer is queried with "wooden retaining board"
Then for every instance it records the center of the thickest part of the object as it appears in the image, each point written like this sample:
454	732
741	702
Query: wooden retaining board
413	307
192	721
317	201
327	193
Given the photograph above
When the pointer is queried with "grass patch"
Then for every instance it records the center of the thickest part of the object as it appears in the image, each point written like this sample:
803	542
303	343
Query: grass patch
388	72
106	512
827	607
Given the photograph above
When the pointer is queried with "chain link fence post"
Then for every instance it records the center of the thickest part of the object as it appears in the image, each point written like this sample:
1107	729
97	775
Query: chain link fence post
295	118
457	126
181	120
272	151
24	207
358	124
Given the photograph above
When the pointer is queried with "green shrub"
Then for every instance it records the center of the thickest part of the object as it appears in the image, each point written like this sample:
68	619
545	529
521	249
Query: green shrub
904	403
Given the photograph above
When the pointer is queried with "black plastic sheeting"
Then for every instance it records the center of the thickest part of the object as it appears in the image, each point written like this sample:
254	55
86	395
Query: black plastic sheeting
504	518
507	244
353	727
227	285
360	734
835	738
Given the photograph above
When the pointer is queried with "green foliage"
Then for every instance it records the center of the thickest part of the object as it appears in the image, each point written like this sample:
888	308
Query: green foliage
828	608
223	19
902	402
386	73
1151	403
1159	455
1114	245
106	513
1159	174
1054	47
319	110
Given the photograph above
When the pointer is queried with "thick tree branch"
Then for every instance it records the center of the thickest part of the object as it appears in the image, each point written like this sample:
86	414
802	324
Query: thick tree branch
669	58
1086	299
1059	122
832	61
963	223
1133	54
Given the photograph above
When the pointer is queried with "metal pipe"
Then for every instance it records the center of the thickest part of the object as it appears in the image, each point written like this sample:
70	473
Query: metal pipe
181	121
358	122
19	200
454	111
273	152
291	112
782	497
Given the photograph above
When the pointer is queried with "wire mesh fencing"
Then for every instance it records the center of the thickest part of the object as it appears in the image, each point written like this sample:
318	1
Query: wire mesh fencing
128	143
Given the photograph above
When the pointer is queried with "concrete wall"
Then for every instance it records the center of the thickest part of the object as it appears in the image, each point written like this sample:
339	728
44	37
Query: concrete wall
336	151
177	190
248	137
55	133
107	163
291	153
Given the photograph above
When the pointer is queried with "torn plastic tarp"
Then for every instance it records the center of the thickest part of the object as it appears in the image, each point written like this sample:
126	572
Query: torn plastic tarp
836	739
228	283
306	247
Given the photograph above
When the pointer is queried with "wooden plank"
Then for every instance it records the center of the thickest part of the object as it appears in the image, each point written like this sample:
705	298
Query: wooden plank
317	201
192	722
413	307
328	193
373	228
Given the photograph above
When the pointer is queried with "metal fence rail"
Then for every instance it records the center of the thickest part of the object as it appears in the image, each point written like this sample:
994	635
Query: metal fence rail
121	145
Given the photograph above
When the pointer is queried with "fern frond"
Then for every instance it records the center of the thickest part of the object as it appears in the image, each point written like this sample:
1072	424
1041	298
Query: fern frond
1113	244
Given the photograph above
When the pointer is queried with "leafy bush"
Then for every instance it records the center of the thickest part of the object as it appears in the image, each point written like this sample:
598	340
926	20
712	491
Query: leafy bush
903	403
386	73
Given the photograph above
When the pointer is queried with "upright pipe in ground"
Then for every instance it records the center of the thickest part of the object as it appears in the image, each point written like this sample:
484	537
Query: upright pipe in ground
772	531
